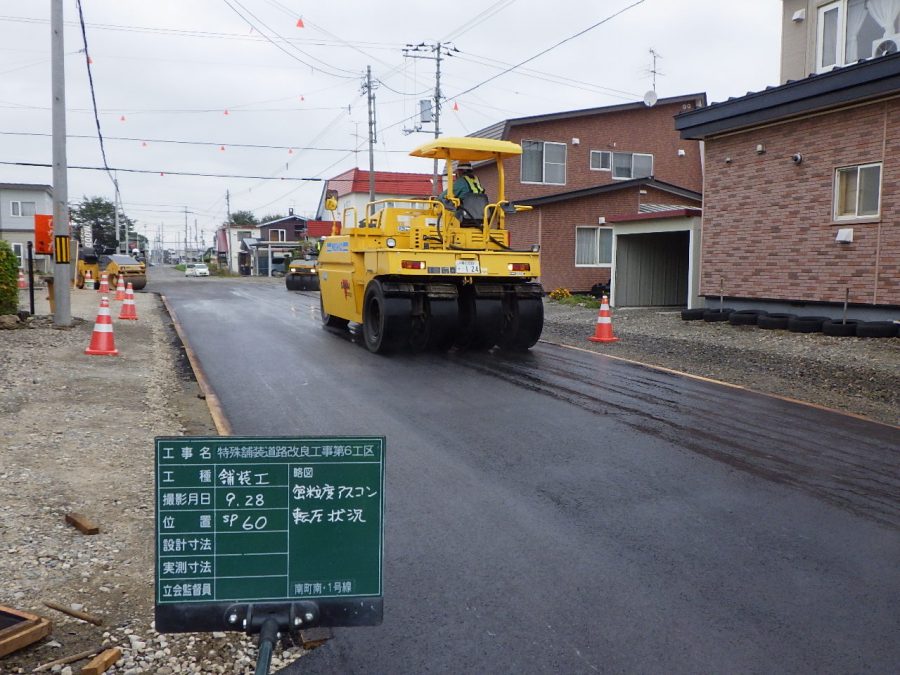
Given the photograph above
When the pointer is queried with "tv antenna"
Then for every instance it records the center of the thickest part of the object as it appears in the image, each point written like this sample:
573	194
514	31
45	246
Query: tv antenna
650	98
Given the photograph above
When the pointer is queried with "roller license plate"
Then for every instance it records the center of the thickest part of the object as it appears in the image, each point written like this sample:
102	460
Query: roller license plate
468	267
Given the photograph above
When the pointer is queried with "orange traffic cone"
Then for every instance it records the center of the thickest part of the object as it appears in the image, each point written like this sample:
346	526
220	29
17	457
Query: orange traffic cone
129	311
120	289
103	343
603	332
104	283
22	283
89	281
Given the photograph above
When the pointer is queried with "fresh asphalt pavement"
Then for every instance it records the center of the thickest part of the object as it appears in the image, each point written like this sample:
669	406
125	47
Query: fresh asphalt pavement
561	512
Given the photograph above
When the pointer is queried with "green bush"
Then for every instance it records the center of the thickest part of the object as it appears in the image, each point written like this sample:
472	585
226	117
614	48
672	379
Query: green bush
9	279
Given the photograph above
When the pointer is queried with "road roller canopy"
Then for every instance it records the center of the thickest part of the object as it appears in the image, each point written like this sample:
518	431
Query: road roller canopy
467	149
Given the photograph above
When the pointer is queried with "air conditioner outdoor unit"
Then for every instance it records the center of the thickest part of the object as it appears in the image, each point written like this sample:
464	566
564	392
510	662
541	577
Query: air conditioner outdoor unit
889	44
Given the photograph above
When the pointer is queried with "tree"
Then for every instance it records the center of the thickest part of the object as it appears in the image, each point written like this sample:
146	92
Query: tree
9	278
269	218
100	214
243	218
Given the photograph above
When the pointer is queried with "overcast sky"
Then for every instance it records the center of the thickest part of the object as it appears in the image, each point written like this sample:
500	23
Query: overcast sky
168	70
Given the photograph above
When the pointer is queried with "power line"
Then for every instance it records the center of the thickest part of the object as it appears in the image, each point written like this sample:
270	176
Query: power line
551	48
87	61
258	146
280	47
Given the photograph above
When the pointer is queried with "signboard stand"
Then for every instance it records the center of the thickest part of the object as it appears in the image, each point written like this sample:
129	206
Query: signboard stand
268	535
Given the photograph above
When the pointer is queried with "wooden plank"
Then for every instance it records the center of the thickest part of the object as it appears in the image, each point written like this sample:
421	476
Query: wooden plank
101	663
29	629
84	616
315	637
83	523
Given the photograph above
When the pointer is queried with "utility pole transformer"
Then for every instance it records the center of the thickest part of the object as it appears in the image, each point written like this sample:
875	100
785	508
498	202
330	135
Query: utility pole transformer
439	49
62	266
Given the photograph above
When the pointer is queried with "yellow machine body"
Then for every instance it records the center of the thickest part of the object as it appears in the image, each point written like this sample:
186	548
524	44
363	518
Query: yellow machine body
426	273
131	271
301	275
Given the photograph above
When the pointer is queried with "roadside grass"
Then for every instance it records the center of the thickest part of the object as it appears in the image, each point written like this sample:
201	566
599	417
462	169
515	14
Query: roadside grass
577	301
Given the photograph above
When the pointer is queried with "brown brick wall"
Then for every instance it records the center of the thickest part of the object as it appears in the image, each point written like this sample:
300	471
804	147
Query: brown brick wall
643	130
553	225
768	230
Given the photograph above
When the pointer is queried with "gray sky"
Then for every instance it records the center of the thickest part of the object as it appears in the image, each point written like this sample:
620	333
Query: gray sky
168	70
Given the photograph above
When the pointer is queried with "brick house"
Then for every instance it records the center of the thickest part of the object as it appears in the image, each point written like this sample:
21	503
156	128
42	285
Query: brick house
802	183
19	202
586	173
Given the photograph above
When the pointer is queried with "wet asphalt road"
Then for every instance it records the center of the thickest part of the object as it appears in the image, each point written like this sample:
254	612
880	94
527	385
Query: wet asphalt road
561	512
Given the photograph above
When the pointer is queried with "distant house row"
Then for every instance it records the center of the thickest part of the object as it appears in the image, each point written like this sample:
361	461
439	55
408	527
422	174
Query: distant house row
783	198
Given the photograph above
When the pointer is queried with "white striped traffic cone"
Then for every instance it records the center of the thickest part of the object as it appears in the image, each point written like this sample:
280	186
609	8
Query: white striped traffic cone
603	331
129	311
103	342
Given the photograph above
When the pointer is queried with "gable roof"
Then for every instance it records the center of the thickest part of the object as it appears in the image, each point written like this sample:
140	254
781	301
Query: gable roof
865	80
500	130
386	183
284	221
613	187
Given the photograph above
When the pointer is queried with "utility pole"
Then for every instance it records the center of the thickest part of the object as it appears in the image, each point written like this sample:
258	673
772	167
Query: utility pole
438	50
62	268
369	88
185	234
228	229
123	248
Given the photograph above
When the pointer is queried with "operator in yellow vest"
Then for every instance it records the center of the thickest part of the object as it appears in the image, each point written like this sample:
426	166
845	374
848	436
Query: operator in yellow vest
465	182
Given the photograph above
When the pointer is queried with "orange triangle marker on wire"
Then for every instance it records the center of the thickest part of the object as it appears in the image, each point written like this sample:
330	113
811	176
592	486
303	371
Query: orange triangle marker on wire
300	23
455	106
122	118
226	112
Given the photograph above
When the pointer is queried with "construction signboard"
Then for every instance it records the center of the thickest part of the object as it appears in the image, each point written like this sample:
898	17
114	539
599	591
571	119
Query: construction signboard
244	523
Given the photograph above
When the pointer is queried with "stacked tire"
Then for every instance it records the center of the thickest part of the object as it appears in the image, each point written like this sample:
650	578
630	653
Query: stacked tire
774	321
806	324
877	329
716	315
746	317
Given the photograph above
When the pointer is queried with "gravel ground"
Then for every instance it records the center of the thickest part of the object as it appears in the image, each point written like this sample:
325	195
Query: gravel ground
78	436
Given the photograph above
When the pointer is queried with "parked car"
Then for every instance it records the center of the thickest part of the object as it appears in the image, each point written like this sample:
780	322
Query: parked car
196	270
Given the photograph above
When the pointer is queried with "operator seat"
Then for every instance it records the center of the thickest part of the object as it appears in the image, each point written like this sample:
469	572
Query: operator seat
471	209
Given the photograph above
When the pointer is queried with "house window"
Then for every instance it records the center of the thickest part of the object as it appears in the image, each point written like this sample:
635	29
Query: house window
19	253
850	30
593	246
857	191
277	235
543	162
627	165
21	208
243	234
601	160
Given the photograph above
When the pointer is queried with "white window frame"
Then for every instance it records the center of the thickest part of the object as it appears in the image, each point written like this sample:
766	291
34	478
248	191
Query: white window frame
283	235
836	193
840	38
19	252
633	155
596	252
544	163
15	208
604	154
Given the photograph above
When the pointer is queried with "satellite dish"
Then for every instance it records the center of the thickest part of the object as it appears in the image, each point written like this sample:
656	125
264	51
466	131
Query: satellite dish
650	99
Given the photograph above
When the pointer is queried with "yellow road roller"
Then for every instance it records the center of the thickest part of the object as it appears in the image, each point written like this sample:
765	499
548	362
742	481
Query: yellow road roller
301	274
121	265
435	273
